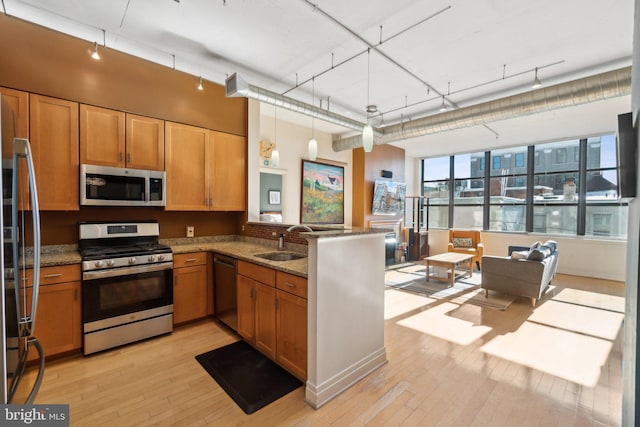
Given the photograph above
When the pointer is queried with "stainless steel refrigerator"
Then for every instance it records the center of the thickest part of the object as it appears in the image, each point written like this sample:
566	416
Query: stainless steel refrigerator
19	210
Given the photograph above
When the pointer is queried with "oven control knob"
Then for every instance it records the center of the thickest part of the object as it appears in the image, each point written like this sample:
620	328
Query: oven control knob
160	257
111	263
132	261
151	258
99	264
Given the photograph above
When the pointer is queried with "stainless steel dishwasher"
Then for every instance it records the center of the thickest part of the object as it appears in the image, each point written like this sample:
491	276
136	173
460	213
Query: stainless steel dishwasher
225	292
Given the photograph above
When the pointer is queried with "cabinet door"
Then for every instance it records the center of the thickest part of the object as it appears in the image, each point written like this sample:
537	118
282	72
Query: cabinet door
15	125
246	308
145	143
266	319
187	154
58	319
228	178
102	136
291	322
189	293
54	142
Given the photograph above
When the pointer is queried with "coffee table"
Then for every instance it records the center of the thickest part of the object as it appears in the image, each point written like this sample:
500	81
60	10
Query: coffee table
457	266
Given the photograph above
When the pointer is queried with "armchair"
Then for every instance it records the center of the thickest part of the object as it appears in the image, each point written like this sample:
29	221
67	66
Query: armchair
466	242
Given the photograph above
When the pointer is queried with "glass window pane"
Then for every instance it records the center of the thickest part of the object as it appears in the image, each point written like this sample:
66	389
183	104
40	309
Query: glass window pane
437	192
507	189
602	185
468	165
467	217
557	156
557	187
608	221
507	218
601	152
509	161
436	168
555	219
438	216
469	191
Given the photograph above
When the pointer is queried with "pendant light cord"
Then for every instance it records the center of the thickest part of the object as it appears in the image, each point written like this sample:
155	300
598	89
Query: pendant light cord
313	100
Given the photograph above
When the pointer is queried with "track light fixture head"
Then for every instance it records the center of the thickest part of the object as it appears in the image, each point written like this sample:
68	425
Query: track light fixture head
443	106
95	55
200	87
536	81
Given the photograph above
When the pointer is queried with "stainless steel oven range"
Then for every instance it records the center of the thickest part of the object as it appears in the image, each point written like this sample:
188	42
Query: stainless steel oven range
127	283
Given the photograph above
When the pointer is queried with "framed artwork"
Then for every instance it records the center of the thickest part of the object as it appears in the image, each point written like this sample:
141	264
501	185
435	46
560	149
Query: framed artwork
274	197
322	198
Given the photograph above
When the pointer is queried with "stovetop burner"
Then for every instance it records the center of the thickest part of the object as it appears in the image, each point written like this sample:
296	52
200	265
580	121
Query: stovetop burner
102	252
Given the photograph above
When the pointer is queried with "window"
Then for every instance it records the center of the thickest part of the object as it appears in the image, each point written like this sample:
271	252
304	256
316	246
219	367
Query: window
560	202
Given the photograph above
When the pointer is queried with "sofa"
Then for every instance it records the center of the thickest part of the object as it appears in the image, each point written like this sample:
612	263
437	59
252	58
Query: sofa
524	273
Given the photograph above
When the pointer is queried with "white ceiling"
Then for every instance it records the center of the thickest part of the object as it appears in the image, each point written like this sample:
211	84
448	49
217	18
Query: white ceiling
458	48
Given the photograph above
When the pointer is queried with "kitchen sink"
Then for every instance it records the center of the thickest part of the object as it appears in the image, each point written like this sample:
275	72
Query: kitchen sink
281	256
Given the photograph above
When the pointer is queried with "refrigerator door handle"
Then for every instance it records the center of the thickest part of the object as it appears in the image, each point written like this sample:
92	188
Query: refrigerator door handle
22	149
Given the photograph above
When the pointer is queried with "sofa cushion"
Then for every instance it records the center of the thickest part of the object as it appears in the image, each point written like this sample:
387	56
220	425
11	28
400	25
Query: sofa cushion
462	242
539	254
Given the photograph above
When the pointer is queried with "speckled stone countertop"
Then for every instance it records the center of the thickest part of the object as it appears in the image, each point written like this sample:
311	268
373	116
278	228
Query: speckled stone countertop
339	232
240	247
244	248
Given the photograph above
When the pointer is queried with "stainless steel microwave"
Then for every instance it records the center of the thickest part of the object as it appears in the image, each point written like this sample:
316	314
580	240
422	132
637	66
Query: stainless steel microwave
108	186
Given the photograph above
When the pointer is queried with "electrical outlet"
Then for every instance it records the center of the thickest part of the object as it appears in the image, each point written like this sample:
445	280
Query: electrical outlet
190	230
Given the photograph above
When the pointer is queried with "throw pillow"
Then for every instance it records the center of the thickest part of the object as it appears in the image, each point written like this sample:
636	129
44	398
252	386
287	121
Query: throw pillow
535	245
519	254
551	244
539	254
462	242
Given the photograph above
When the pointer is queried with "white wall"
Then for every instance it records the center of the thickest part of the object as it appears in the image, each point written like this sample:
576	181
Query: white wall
579	256
291	142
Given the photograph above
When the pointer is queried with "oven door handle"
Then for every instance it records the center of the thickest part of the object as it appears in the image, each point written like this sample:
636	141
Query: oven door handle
101	274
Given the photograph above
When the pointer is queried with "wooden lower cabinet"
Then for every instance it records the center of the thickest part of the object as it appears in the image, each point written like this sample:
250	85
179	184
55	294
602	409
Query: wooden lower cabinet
59	316
189	287
272	315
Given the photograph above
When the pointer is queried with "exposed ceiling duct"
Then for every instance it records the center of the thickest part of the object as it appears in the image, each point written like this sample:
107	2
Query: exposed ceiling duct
236	86
599	87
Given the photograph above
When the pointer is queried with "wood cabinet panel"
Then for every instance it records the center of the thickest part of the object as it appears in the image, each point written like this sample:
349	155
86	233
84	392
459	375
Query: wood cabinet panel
228	178
291	324
55	274
257	272
19	122
144	142
189	293
189	259
265	299
246	308
290	283
102	136
187	165
55	145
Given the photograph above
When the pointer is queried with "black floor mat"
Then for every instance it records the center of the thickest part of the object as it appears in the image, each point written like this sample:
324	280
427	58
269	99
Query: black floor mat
251	379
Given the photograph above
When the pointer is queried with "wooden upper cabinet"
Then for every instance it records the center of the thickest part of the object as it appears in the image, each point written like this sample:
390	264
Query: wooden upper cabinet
18	102
54	139
228	172
144	143
101	136
187	165
113	138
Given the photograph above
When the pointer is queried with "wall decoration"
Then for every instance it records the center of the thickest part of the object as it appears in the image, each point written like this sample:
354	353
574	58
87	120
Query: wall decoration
274	197
322	199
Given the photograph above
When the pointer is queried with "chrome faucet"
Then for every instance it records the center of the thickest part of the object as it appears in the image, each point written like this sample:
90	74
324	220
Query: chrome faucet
281	242
294	227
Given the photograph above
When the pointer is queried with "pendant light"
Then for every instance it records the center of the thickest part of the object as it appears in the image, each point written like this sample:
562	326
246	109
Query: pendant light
443	106
275	155
367	130
200	87
313	144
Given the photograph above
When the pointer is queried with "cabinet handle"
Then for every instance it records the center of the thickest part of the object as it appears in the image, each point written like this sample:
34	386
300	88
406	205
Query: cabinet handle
121	156
49	276
191	260
291	285
129	157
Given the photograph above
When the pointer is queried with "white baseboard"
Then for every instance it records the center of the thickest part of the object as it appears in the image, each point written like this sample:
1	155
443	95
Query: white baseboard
318	395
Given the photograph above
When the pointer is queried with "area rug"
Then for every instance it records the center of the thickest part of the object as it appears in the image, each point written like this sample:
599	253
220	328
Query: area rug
411	277
251	379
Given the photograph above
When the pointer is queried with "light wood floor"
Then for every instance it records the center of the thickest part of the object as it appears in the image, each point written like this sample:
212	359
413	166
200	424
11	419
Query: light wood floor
448	364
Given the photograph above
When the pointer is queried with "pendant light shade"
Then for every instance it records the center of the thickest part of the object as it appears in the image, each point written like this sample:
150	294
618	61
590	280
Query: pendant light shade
275	158
313	148
367	138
